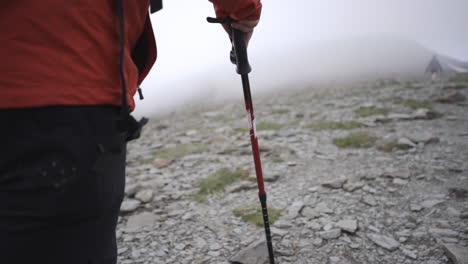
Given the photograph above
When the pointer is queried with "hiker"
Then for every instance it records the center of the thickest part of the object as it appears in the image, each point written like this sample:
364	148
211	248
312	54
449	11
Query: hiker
68	74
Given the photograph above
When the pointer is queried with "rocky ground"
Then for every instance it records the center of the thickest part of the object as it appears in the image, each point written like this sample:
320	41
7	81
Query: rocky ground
372	174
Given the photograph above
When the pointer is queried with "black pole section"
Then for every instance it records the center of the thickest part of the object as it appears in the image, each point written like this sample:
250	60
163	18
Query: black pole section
266	222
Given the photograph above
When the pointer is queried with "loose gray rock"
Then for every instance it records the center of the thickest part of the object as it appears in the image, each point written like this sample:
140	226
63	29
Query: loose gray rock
396	116
443	232
451	97
131	189
406	143
384	241
317	242
369	200
314	225
453	212
294	209
145	196
352	186
327	226
354	246
412	254
398	181
422	113
191	133
283	224
138	221
416	207
215	246
334	260
278	231
402	174
129	205
458	193
323	208
199	242
256	253
458	254
339	260
349	226
309	212
449	240
271	177
335	184
431	203
330	234
392	117
421	137
163	163
212	114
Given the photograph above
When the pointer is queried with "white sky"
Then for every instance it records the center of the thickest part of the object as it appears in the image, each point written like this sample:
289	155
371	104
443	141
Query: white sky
194	54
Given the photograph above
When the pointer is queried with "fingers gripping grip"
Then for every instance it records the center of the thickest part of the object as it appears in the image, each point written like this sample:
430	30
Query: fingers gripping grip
238	55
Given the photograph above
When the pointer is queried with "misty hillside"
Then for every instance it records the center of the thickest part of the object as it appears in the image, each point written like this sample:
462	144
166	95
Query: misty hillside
363	175
350	59
344	61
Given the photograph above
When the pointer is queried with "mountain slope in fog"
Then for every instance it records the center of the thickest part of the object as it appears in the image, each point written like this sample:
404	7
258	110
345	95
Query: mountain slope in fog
351	59
344	61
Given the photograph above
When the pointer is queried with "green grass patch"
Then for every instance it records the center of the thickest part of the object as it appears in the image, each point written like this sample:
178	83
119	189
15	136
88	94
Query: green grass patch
355	140
228	151
241	130
460	77
268	126
328	125
377	85
253	214
297	100
457	86
365	111
280	111
278	160
226	119
217	182
358	93
416	104
180	150
296	122
409	85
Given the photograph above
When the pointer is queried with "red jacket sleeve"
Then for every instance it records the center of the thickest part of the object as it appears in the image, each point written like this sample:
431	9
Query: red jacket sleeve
238	9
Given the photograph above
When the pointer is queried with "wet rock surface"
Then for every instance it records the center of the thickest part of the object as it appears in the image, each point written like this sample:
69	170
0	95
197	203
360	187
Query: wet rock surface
402	202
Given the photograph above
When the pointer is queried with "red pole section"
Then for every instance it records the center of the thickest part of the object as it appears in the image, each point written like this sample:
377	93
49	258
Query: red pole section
253	136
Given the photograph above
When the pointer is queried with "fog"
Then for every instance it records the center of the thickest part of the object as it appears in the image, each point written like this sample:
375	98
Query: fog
298	43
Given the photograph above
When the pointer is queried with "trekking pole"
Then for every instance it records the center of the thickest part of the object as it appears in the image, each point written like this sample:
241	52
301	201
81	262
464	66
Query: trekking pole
239	57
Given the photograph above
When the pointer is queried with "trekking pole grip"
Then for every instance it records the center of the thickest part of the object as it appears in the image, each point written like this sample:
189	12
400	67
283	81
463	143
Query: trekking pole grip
239	52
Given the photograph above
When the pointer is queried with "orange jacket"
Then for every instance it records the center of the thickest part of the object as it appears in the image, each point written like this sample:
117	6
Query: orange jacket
56	52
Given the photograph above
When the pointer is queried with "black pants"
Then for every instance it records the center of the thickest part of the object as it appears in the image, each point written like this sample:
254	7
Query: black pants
62	177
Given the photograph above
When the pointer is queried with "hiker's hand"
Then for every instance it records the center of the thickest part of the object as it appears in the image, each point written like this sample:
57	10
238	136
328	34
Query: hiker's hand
246	26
